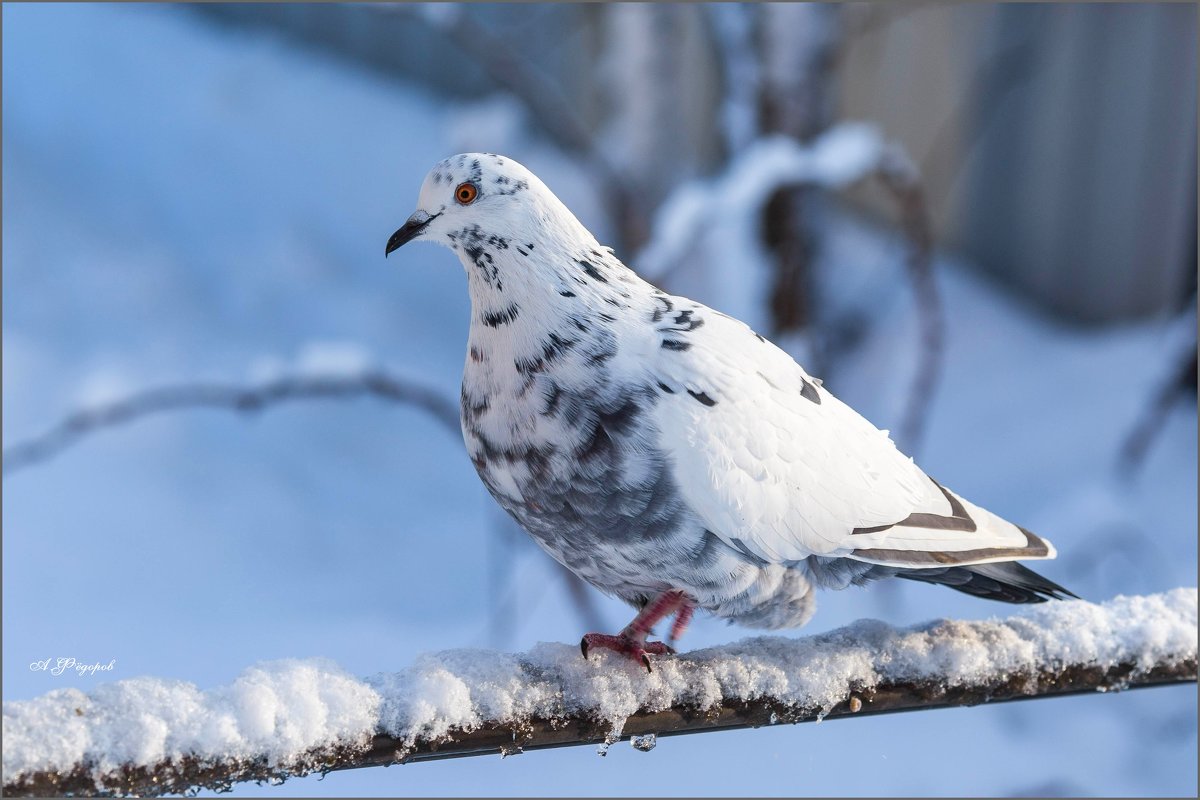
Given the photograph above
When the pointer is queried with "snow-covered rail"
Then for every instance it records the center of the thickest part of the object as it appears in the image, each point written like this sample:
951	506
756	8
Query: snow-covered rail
154	736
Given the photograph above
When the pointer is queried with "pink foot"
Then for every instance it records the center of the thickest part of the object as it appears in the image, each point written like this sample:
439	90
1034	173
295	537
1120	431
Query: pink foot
682	617
632	641
637	650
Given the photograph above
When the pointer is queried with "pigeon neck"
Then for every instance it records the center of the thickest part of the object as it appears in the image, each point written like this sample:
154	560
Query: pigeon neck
541	276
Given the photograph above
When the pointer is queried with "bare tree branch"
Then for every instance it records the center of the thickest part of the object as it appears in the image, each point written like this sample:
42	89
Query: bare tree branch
554	113
181	397
743	189
189	773
900	176
797	44
583	599
243	399
1137	442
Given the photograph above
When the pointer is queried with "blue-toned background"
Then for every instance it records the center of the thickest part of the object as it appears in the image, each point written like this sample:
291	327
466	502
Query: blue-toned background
205	195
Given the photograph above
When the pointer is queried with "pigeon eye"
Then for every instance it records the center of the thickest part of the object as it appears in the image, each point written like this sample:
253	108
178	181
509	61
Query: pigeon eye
466	193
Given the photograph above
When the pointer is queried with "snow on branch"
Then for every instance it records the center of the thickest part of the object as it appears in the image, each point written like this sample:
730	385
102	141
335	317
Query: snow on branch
285	718
845	154
245	399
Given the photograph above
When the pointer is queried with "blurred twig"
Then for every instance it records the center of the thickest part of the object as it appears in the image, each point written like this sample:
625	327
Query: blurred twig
1137	443
900	176
554	113
505	583
746	185
731	28
792	99
798	43
583	600
503	541
250	399
244	399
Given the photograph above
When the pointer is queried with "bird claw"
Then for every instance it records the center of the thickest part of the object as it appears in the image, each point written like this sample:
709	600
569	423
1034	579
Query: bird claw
626	645
659	648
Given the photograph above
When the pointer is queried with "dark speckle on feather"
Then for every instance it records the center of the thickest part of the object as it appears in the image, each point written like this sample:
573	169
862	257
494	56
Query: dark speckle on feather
663	306
598	445
473	408
620	420
809	392
556	345
553	395
552	349
687	321
591	270
702	397
509	187
496	318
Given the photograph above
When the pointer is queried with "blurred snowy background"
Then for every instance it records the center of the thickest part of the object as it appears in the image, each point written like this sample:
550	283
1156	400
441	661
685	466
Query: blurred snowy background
204	194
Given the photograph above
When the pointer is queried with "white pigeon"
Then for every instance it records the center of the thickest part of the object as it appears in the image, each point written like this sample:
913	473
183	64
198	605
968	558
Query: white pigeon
665	452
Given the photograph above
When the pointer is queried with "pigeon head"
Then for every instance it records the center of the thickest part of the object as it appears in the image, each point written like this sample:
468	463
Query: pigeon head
474	197
518	243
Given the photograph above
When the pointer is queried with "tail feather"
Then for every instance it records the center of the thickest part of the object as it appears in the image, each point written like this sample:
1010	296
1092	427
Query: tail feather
1006	581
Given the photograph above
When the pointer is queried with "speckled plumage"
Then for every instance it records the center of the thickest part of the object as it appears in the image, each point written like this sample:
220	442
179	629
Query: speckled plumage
651	444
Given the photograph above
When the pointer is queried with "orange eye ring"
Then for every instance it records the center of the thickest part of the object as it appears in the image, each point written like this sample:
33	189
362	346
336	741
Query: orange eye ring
466	193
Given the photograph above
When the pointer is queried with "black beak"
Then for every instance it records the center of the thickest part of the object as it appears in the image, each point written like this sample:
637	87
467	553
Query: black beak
409	231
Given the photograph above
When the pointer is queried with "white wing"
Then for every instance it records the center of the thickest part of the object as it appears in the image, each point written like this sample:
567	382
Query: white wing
780	468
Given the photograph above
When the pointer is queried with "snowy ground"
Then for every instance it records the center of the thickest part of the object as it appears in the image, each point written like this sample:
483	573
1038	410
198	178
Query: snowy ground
183	201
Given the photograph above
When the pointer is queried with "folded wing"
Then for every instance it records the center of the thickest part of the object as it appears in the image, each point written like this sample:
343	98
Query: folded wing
781	469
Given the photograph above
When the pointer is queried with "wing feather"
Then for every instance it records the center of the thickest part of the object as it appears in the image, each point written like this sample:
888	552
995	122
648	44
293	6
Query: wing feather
780	468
